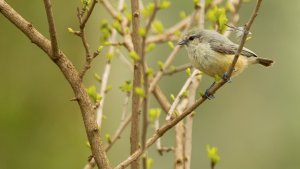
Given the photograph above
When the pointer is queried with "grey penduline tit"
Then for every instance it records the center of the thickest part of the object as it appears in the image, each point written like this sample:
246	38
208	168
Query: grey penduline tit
212	53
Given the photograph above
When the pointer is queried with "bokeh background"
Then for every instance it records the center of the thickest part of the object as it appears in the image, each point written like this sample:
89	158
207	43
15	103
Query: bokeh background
254	121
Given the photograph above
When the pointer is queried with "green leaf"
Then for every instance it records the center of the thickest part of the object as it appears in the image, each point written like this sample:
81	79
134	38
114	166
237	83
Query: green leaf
116	25
133	55
126	86
148	10
153	114
149	72
165	4
172	97
188	71
71	30
142	32
160	65
109	56
108	137
182	14
93	93
184	94
108	88
171	44
100	48
140	91
98	77
149	163
212	153
157	27
150	47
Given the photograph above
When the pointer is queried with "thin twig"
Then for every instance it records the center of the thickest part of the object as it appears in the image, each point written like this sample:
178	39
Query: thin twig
235	15
87	16
169	33
160	132
52	31
106	72
177	69
182	90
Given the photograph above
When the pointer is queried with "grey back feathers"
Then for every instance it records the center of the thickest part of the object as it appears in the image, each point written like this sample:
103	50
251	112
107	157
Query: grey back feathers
217	42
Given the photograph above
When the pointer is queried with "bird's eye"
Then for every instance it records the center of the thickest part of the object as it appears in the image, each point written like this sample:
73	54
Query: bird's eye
191	38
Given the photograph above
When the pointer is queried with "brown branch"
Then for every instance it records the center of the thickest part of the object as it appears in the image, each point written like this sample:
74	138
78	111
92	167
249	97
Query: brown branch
180	137
169	33
52	31
137	75
71	75
113	12
198	102
177	69
87	16
189	122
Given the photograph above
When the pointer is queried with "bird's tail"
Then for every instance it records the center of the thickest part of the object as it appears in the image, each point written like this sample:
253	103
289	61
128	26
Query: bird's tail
265	62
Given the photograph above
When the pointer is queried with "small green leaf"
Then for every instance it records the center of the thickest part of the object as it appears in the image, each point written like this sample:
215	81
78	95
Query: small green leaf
126	86
149	72
109	56
171	44
98	77
128	16
116	25
71	30
108	88
88	144
160	65
140	91
182	14
108	137
150	47
212	153
142	32
154	113
119	17
165	4
148	10
149	163
185	94
157	27
217	78
100	48
134	55
188	71
93	93
172	97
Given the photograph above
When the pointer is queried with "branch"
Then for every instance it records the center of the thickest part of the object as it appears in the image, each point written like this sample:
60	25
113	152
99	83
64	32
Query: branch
169	33
137	75
87	16
160	132
177	69
52	31
71	75
178	97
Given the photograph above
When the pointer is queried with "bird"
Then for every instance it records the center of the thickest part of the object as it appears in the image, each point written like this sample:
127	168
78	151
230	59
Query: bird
212	53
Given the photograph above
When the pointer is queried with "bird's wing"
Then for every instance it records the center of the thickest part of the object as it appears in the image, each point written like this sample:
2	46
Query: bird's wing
230	48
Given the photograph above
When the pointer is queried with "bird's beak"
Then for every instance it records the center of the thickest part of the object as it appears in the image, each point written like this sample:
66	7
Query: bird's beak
183	42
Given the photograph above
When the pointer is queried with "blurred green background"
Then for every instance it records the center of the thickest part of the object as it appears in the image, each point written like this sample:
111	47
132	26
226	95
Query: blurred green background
254	121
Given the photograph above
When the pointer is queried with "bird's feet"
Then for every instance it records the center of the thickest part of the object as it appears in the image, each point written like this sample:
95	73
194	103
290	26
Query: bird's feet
208	95
226	77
